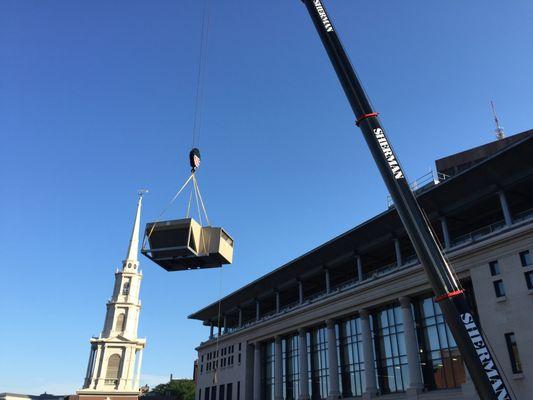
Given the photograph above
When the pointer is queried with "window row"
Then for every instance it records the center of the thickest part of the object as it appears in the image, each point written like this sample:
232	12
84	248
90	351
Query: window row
226	359
225	392
441	364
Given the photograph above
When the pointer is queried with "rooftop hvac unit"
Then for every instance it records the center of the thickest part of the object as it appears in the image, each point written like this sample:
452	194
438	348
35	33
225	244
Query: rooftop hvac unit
184	244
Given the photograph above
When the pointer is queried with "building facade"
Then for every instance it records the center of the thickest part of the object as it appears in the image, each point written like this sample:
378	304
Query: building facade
356	317
115	358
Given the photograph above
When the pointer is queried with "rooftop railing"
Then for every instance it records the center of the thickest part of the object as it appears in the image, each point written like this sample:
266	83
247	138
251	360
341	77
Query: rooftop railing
426	181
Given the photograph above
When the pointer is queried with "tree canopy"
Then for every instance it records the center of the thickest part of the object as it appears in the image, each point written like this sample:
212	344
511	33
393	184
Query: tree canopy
181	389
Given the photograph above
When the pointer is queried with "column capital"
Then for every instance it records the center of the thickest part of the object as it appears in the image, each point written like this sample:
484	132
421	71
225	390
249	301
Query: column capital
405	301
302	331
330	323
277	338
364	313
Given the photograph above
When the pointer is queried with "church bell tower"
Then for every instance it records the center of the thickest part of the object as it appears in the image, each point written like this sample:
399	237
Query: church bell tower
114	366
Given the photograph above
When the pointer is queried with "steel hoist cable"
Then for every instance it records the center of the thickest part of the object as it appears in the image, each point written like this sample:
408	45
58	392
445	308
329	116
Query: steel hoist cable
200	80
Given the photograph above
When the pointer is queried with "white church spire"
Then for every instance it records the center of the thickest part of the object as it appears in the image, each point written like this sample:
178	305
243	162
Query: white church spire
114	367
133	249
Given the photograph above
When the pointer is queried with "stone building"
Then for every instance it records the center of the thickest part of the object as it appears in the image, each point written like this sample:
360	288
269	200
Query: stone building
114	367
355	317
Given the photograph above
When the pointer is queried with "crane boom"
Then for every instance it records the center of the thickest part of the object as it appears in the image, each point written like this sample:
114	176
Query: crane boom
451	297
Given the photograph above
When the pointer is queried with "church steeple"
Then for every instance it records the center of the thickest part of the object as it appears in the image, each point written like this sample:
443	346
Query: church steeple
133	248
114	367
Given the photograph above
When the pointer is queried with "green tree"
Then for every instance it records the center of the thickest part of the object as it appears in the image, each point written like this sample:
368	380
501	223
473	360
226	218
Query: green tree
181	389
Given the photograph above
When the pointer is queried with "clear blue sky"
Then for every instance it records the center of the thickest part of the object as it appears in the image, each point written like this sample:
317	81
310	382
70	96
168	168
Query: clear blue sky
96	101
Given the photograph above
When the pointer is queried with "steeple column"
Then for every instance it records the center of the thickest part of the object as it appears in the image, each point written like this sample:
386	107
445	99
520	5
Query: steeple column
137	382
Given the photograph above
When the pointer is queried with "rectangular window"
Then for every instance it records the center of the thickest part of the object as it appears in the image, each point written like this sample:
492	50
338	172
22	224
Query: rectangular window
206	395
268	370
239	358
239	389
525	259
290	369
441	362
494	268
199	394
351	358
229	391
529	279
512	348
391	354
319	363
499	289
221	392
214	393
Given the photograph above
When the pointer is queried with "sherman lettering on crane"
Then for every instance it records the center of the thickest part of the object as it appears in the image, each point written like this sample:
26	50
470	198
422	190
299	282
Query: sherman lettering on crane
323	16
389	155
485	357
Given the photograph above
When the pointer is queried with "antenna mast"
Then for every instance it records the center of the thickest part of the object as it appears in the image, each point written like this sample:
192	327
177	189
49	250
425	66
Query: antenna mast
500	134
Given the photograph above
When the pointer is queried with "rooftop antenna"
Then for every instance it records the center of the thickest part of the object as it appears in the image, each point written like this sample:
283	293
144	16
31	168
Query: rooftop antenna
500	134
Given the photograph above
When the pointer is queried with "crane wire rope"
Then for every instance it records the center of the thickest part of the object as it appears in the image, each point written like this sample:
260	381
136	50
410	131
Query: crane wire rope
195	181
158	219
197	128
200	80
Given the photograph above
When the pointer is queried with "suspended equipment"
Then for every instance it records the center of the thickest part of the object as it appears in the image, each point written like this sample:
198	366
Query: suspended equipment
183	244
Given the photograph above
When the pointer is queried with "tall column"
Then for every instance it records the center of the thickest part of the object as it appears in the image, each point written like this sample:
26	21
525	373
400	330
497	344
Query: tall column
89	367
94	376
102	368
257	371
240	317
445	232
505	208
278	301
212	330
300	292
138	374
327	278
225	325
302	356
257	309
359	262
278	369
416	383
398	252
368	354
333	361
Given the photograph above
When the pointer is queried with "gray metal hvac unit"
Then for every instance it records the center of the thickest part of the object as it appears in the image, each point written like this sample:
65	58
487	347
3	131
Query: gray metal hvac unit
184	244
